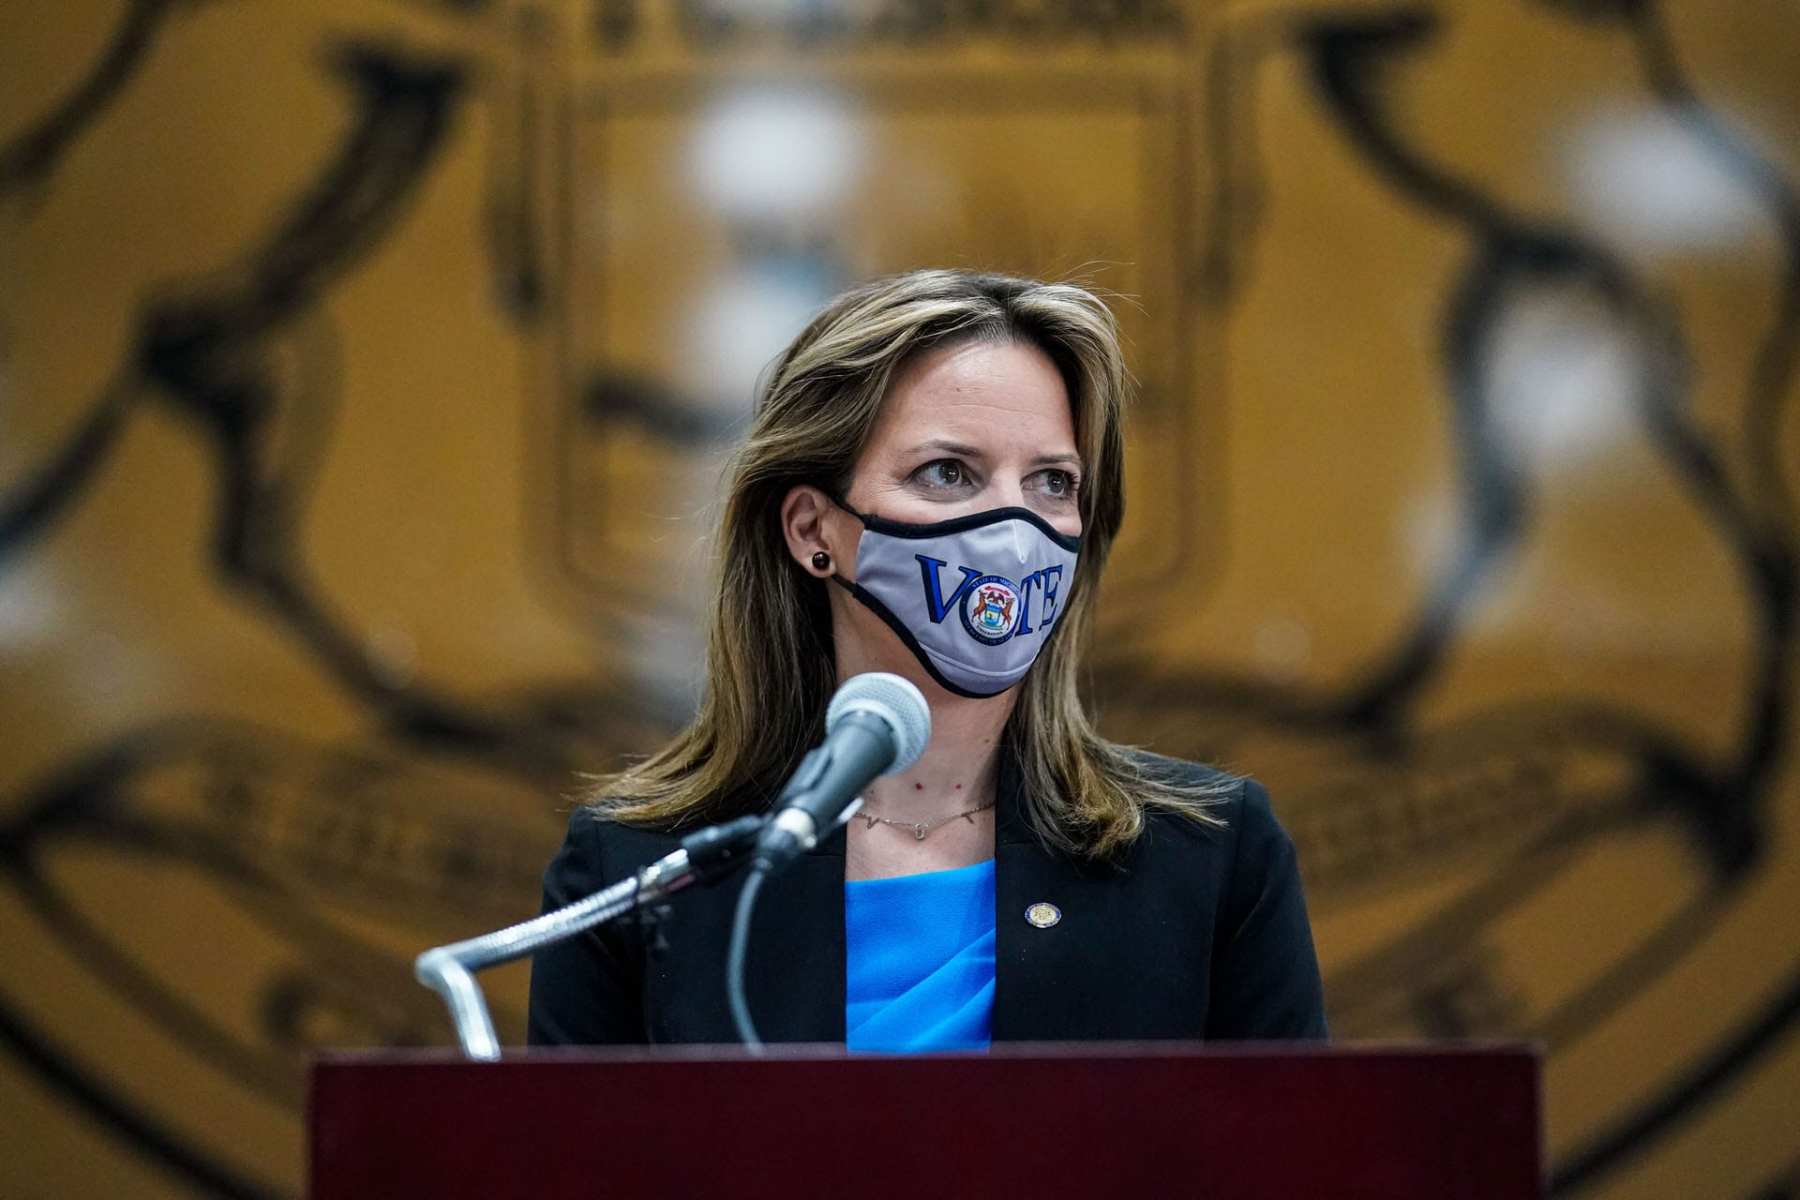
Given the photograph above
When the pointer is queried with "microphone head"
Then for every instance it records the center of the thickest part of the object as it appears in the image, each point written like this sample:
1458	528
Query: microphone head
893	699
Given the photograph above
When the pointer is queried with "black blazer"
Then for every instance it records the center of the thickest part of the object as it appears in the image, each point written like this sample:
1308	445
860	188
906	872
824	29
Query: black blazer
1195	933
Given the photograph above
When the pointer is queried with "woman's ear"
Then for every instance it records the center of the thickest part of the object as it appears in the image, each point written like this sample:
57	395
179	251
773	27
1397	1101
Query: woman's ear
804	522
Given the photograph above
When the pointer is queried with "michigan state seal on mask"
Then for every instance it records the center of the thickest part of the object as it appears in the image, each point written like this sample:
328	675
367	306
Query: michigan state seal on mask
974	597
991	612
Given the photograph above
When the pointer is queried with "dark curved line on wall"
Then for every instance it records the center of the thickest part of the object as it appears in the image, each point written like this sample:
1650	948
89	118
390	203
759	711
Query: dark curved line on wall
1721	802
261	897
206	350
362	961
1766	558
130	1125
1622	980
82	801
1785	1186
29	509
197	349
510	213
455	8
613	397
318	363
1238	196
1494	493
1349	55
34	155
1775	553
1633	1135
1459	923
1594	11
1759	526
404	106
167	1008
1778	355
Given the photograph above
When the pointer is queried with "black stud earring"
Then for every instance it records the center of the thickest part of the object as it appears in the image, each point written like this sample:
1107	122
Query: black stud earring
821	561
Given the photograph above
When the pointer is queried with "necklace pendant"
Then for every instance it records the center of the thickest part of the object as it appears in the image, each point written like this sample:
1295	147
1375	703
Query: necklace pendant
919	832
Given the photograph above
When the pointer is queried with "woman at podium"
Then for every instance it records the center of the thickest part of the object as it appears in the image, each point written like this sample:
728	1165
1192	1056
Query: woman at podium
931	485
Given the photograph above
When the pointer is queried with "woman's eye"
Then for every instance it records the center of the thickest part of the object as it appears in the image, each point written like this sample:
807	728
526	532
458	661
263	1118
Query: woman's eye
944	473
1057	484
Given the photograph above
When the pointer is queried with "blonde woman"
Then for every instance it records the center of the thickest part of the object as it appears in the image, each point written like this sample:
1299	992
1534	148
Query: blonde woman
930	487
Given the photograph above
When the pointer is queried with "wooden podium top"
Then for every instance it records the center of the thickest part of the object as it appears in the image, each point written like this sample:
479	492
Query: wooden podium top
1228	1122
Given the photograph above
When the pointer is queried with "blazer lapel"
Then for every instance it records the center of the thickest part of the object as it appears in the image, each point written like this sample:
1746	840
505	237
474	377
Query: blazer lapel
1055	929
1018	883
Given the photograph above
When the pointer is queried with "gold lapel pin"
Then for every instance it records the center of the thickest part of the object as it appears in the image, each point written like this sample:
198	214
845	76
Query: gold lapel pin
1043	914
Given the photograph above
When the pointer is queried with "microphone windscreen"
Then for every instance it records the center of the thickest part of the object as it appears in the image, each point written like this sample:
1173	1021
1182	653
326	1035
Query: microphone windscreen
893	699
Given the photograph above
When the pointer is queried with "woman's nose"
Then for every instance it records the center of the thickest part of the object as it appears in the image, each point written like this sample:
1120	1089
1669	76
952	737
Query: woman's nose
1005	494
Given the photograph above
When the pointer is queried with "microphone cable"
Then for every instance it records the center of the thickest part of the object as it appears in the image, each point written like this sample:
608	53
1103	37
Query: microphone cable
734	961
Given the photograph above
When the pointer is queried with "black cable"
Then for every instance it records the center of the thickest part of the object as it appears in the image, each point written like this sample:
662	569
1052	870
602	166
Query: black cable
734	961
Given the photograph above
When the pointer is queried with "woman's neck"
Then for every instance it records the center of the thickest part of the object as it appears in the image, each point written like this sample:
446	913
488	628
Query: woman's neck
961	764
960	767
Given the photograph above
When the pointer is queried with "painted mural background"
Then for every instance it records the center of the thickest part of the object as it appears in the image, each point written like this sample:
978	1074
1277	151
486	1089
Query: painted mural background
365	368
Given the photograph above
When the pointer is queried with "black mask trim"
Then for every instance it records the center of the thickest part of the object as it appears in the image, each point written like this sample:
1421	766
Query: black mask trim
873	603
906	529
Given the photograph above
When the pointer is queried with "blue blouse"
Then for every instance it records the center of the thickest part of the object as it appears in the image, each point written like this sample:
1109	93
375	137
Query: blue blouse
919	960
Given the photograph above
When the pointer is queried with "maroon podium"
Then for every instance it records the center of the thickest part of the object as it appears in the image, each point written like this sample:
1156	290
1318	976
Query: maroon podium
1230	1123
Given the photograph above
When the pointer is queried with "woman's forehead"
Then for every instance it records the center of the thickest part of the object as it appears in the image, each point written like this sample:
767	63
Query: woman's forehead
979	393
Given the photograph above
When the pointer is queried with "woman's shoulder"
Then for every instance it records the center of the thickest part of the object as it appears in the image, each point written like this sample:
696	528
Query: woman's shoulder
602	849
1240	804
1249	853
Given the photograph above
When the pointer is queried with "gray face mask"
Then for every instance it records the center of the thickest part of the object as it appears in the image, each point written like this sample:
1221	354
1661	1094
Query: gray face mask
974	597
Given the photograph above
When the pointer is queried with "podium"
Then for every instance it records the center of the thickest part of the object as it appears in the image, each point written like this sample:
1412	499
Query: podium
1227	1122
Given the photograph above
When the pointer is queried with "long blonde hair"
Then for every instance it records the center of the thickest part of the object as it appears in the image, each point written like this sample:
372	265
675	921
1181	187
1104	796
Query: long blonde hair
771	668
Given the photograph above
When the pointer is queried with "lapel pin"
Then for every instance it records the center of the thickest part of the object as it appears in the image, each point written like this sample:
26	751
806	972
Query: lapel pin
1043	914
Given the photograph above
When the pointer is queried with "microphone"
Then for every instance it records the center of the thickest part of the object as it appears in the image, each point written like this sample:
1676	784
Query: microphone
876	724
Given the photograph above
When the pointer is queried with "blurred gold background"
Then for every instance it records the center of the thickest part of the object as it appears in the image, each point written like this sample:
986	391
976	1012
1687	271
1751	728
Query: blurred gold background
365	367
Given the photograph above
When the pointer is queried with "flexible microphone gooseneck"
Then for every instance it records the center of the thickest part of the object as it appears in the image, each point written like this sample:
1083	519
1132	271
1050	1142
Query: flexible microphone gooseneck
875	725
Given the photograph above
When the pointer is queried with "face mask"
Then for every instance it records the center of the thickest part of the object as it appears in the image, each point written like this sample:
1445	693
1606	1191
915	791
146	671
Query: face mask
974	597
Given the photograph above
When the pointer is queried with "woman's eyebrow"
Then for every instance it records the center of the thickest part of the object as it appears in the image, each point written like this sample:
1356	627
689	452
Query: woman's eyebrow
948	447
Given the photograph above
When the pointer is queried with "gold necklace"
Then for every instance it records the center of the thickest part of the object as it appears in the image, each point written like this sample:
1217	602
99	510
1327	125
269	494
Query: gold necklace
921	828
